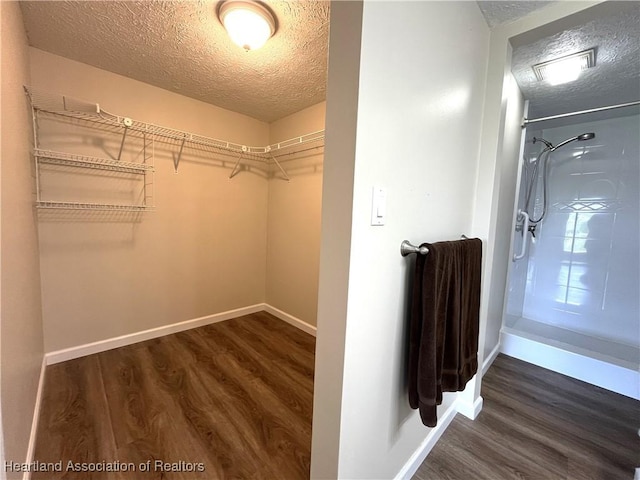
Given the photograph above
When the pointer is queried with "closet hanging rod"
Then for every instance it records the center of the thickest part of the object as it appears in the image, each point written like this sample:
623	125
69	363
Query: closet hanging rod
527	121
407	248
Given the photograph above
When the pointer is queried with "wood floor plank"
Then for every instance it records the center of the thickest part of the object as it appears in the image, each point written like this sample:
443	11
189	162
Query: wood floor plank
146	417
525	449
275	376
564	422
74	422
282	432
573	400
458	463
284	330
236	398
127	388
260	333
288	364
538	424
213	417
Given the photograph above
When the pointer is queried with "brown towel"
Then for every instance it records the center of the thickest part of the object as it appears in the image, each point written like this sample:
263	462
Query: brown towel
443	332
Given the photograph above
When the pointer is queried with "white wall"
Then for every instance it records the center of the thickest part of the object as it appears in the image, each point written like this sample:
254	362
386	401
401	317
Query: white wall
335	245
419	116
21	325
293	226
201	252
509	161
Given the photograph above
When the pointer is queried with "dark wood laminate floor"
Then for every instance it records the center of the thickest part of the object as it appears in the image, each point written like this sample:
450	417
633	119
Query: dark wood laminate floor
538	424
236	396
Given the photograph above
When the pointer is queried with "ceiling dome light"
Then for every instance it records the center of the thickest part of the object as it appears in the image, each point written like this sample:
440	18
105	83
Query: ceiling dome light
249	24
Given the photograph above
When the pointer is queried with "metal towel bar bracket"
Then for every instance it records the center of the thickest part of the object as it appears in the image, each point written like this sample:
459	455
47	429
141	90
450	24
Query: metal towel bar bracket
407	248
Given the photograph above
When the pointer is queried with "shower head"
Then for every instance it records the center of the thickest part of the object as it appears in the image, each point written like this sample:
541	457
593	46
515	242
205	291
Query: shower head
580	138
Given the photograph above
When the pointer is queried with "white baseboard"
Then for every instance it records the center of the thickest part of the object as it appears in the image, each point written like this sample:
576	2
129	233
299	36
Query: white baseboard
470	410
490	359
296	322
36	417
414	462
129	339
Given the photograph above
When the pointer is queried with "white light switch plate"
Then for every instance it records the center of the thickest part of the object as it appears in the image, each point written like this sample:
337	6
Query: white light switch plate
378	206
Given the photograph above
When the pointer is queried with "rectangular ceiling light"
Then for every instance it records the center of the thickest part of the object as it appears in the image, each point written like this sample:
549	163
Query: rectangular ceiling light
565	69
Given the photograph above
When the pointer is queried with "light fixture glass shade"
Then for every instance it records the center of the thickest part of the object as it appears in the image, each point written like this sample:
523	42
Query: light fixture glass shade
565	69
563	72
248	24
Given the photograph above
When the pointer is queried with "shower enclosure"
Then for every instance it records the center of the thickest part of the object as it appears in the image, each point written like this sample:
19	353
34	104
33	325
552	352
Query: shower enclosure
572	300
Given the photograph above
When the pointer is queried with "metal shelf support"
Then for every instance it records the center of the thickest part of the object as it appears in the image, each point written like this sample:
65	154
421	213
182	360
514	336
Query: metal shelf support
236	170
176	161
124	137
284	173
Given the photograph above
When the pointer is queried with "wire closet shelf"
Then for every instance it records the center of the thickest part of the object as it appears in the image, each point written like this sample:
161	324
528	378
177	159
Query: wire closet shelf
65	106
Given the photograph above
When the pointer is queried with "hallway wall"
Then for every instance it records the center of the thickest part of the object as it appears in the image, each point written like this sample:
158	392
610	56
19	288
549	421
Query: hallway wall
105	277
21	324
508	164
417	128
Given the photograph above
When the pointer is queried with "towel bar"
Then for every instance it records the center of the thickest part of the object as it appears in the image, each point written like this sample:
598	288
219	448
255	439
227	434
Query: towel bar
407	248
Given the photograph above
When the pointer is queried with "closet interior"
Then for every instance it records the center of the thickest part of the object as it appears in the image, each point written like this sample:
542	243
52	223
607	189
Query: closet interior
179	250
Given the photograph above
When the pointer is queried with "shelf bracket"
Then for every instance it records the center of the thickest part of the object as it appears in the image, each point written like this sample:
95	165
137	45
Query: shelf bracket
284	173
124	137
236	170
176	161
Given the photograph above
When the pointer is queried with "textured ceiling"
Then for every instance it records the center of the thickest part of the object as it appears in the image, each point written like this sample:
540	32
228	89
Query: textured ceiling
500	12
615	78
181	46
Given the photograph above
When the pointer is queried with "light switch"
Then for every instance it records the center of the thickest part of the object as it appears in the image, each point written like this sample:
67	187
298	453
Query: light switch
378	206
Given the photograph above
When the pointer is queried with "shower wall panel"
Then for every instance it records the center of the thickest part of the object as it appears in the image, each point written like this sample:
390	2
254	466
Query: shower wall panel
583	270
